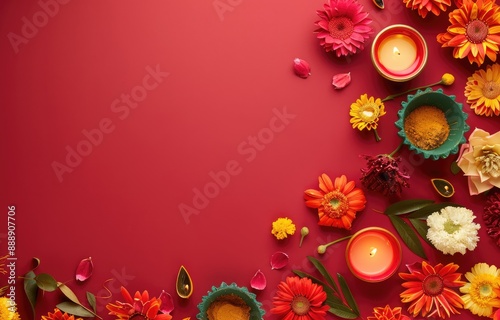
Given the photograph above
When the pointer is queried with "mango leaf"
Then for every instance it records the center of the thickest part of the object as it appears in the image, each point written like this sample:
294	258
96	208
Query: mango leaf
321	268
330	293
343	313
421	227
408	236
92	301
46	282
68	292
31	289
455	168
424	212
406	206
347	294
75	309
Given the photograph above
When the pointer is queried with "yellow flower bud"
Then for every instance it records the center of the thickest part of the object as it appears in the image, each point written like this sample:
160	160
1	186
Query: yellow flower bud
322	249
447	79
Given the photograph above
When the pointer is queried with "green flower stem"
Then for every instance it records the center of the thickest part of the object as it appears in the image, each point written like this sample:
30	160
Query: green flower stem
392	96
377	137
322	248
390	155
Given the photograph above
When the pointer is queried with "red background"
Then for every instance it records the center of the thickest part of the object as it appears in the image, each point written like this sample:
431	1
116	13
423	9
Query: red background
229	72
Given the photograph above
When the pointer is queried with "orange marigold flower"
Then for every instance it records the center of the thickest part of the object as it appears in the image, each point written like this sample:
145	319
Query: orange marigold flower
138	307
474	31
428	289
337	203
59	315
387	313
423	7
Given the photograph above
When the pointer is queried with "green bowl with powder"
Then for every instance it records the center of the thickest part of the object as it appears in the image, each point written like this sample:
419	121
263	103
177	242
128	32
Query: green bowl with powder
432	124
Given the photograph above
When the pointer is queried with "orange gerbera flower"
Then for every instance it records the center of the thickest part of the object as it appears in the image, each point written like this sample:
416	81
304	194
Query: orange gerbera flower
474	31
140	307
299	298
387	313
423	7
429	290
337	203
58	315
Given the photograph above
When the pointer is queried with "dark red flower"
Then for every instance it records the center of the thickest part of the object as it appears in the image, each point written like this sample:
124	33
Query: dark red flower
384	175
491	216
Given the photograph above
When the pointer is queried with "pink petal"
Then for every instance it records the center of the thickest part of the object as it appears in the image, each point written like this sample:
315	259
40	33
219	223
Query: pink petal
167	303
84	269
279	260
341	80
258	281
301	68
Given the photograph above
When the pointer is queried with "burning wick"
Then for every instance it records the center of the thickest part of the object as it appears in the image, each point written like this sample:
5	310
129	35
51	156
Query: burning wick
373	251
396	51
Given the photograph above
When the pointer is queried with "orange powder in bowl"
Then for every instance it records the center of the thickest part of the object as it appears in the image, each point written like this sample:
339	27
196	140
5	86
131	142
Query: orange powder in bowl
426	127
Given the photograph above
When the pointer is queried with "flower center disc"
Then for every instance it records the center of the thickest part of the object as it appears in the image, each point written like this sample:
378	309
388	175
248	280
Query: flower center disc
451	227
337	204
300	305
476	31
137	316
368	112
340	27
491	89
433	285
485	290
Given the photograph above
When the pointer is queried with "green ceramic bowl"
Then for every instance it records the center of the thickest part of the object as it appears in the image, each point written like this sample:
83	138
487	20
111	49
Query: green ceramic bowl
256	312
454	116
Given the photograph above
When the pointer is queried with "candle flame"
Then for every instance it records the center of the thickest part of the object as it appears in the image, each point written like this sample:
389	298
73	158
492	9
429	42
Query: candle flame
396	51
373	251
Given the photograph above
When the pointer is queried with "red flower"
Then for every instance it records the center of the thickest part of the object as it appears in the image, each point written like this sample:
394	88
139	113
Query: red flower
491	216
384	175
140	307
58	315
300	299
387	313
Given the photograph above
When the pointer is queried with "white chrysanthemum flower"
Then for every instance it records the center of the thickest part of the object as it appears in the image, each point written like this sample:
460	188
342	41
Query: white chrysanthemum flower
452	230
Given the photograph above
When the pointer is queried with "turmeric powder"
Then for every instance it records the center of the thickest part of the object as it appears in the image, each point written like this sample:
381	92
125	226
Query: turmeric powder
228	307
426	127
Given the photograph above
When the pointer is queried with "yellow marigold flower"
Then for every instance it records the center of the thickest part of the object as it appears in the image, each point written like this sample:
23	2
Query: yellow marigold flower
7	310
447	79
365	113
481	291
282	228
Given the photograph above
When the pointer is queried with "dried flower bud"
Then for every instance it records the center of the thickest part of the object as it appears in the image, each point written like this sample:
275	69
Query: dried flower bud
301	68
447	79
341	80
84	269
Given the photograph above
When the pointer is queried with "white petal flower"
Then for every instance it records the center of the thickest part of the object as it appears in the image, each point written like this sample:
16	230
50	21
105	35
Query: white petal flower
452	230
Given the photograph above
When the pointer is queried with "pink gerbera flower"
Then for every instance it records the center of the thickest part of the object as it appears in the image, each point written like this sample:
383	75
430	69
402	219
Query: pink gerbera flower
343	27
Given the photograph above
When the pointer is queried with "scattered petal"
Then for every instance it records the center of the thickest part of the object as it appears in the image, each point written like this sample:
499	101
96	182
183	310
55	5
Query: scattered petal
279	260
301	68
341	80
167	303
258	281
84	269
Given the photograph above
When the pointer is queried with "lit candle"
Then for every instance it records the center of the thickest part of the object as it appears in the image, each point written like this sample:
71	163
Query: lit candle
373	254
399	53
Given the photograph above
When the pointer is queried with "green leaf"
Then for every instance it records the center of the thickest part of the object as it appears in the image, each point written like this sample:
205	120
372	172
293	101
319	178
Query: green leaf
348	294
31	289
46	282
68	292
75	309
321	268
455	168
330	293
421	227
406	206
343	313
424	212
92	301
408	236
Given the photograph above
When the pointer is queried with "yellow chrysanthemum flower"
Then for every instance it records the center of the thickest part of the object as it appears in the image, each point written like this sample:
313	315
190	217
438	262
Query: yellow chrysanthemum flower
6	310
282	228
483	91
365	113
481	292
